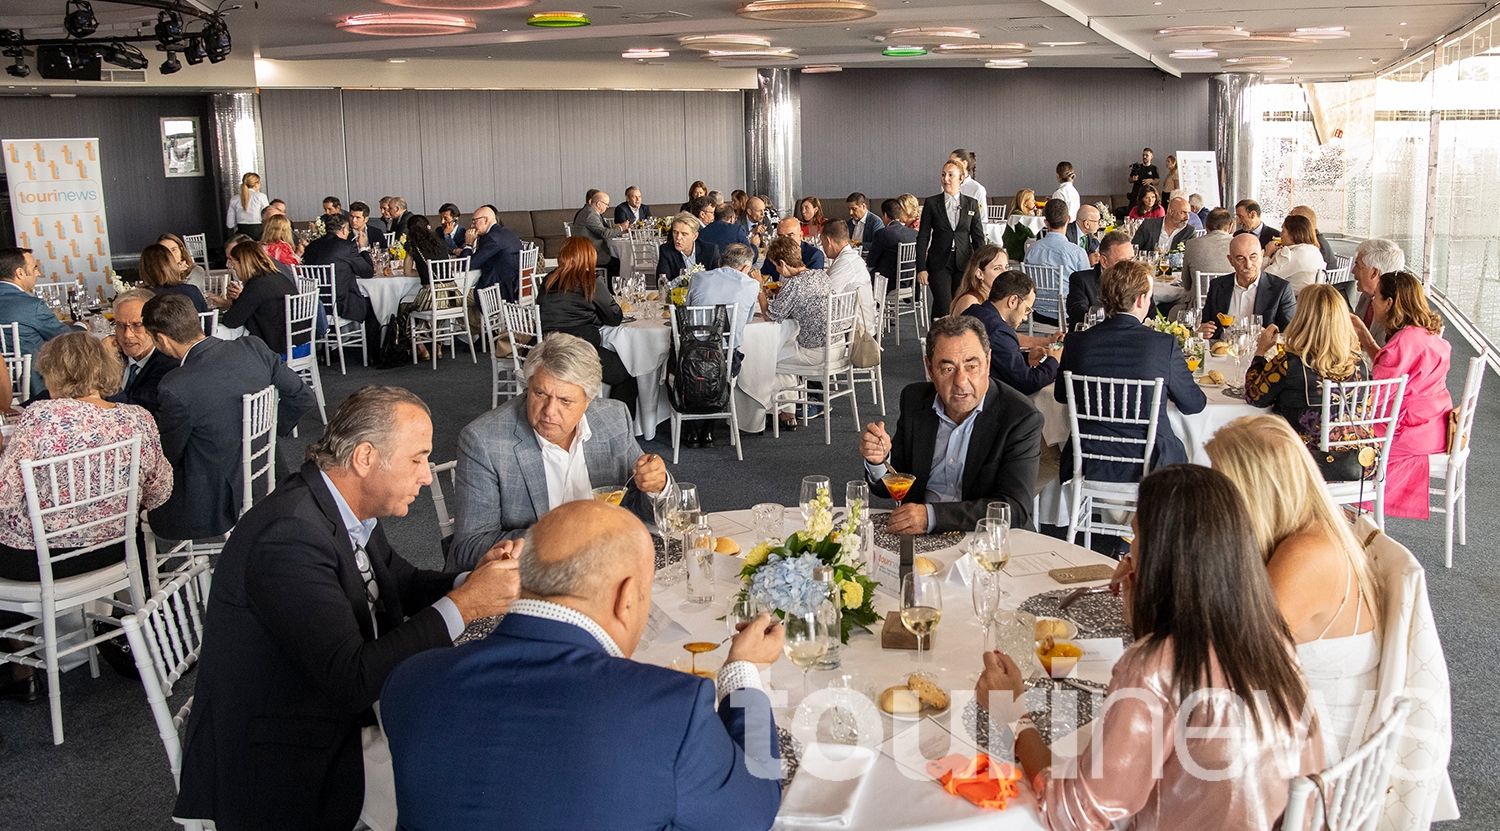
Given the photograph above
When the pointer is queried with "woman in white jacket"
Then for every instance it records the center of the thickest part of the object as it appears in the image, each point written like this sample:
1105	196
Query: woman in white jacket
244	210
1296	258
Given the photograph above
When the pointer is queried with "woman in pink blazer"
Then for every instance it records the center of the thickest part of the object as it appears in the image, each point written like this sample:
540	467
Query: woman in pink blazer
1417	350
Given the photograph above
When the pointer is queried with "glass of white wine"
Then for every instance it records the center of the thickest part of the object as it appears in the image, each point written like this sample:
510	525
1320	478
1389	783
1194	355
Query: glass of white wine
806	642
921	608
990	547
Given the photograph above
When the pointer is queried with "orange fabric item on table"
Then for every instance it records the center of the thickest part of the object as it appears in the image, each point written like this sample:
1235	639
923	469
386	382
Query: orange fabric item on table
983	782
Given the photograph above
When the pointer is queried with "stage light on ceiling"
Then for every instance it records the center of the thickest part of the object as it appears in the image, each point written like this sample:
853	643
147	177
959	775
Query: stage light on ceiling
168	26
170	65
931	35
980	50
1193	54
216	43
400	24
79	19
820	68
19	69
192	51
903	51
806	11
558	20
645	54
460	5
705	43
122	55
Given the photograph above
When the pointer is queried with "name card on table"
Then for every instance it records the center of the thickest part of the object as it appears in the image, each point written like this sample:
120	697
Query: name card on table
885	570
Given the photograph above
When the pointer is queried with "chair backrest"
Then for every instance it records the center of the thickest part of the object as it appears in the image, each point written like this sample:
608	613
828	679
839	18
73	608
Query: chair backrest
1332	276
906	265
1048	280
321	279
439	504
209	320
450	269
1353	791
216	284
1340	261
197	248
10	340
527	273
166	636
306	284
257	424
390	239
1095	401
646	234
881	285
20	378
101	484
448	297
521	319
843	312
1469	405
1201	280
1361	414
489	310
703	316
995	213
301	320
55	294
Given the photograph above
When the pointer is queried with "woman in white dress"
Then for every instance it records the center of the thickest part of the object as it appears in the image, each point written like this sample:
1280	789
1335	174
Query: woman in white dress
1296	258
1319	571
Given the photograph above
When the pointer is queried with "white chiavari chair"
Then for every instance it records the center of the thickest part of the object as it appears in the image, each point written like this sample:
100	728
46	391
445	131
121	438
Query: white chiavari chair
197	248
843	311
873	375
523	329
209	320
703	316
1333	276
216	284
258	411
910	298
10	340
20	378
1049	297
447	320
341	333
995	213
55	294
1453	467
1201	280
1093	403
1359	416
528	276
301	318
440	503
1349	796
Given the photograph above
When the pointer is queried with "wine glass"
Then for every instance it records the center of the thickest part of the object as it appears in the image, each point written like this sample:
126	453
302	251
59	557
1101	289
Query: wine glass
921	608
897	484
809	498
806	641
743	610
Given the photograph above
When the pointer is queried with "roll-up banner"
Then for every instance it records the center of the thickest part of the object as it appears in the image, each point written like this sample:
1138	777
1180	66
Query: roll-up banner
57	204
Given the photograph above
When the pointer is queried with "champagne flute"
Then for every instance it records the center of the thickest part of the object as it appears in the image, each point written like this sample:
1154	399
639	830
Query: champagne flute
809	497
806	642
921	608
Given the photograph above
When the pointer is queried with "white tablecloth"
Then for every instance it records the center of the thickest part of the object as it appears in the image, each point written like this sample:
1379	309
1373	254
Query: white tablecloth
889	800
386	293
643	345
1194	430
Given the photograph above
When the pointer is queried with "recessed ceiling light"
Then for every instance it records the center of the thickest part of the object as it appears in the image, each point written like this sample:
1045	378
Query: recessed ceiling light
1193	54
820	68
1278	37
403	24
459	5
558	20
1258	61
1006	63
931	35
1322	32
903	51
395	60
1403	23
704	43
1200	32
980	50
772	55
1063	43
646	53
806	11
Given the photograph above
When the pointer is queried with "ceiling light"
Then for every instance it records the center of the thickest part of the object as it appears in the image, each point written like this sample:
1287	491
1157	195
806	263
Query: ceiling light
401	24
817	69
459	5
980	50
1258	62
79	19
395	60
806	11
170	65
126	56
1051	43
19	69
772	55
903	51
215	37
1200	32
193	52
1322	32
704	43
558	20
1193	54
168	25
1006	63
931	35
642	54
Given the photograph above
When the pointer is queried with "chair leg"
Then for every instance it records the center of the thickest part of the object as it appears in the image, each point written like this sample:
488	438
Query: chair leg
434	330
49	653
734	429
880	385
469	333
853	400
413	325
676	435
339	341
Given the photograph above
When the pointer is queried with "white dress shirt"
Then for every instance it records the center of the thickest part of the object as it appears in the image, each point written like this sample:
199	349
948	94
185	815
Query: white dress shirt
138	365
950	453
971	187
248	214
567	474
848	271
1069	194
951	203
1242	301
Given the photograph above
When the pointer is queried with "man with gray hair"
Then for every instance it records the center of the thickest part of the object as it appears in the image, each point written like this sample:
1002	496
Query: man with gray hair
500	732
311	609
683	250
557	443
144	363
1374	257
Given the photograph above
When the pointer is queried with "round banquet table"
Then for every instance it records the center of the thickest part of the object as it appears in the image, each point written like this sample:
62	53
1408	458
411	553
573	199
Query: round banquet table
1194	430
890	798
643	344
386	293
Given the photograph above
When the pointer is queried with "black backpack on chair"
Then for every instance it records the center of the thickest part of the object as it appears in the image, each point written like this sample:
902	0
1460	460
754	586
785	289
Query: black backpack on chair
698	367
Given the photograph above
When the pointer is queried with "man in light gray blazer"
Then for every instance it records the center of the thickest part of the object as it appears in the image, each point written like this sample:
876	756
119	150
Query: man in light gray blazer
552	444
1209	252
589	222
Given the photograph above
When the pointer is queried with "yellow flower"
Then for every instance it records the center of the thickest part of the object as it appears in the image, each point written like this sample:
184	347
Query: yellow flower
758	555
854	594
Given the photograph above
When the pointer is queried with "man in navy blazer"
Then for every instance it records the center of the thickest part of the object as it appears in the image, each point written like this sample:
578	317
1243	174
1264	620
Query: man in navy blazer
724	231
885	246
1247	291
495	252
1026	371
1122	347
548	724
812	255
335	248
672	258
863	223
19	272
631	210
1083	286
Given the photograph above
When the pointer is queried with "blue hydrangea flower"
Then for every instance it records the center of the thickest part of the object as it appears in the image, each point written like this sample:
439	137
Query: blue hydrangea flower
786	583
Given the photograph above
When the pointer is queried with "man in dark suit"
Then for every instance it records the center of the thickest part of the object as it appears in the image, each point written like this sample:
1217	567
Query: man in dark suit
589	223
1247	291
495	252
1083	286
885	246
952	227
683	249
1027	370
553	689
724	231
311	610
335	248
1122	347
1083	227
1247	217
863	224
632	210
968	441
812	255
1164	233
200	415
145	365
398	217
361	230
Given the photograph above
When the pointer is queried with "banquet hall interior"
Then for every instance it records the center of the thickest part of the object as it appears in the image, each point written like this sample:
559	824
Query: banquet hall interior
124	121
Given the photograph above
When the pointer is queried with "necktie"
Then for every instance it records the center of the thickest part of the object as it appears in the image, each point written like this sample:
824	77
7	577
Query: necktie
130	379
372	589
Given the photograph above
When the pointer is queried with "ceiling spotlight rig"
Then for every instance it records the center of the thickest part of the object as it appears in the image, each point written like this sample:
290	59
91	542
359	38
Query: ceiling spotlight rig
80	53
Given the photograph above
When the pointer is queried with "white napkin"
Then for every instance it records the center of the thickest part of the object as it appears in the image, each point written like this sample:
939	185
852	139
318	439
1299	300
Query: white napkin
813	800
962	571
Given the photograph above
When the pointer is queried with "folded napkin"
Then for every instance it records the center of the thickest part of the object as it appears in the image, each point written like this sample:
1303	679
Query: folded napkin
982	782
813	800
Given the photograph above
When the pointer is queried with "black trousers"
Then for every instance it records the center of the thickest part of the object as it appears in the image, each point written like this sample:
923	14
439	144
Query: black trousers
943	281
20	564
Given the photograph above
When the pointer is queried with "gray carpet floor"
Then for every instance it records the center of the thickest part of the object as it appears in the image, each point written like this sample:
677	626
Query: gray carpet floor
112	772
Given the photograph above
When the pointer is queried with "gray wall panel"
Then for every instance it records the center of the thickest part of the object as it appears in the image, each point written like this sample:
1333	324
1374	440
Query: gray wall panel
591	143
525	136
457	166
885	132
715	140
383	140
304	140
655	149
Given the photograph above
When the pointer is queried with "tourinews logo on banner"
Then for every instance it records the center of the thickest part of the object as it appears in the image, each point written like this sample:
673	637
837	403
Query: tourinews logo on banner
57	202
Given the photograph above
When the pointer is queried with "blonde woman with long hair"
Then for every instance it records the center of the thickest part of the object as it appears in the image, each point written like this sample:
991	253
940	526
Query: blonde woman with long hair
1319	571
280	244
985	264
245	207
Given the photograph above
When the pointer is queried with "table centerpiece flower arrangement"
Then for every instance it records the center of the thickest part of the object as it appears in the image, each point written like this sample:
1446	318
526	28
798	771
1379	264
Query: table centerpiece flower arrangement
1106	219
677	291
1172	327
398	249
663	224
780	574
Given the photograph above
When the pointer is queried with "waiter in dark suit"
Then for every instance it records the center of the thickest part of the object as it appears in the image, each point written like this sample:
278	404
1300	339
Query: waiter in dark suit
969	441
311	610
335	248
1247	291
1083	286
200	416
952	227
145	365
683	249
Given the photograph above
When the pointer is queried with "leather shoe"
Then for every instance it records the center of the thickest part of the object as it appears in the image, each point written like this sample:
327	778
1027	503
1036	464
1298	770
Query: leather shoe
26	690
690	438
708	438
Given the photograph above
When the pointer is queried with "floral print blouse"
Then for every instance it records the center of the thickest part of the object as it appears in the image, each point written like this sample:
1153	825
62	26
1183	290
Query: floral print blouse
62	426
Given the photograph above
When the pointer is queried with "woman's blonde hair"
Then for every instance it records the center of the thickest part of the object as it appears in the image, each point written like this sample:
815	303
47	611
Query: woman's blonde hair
250	260
76	364
277	229
1283	490
247	183
1021	196
1320	333
910	209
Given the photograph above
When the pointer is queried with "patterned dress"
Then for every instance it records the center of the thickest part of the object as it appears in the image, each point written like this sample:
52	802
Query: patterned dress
1294	391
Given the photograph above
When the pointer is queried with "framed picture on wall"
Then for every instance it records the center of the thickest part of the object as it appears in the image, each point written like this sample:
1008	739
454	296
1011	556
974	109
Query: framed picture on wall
181	147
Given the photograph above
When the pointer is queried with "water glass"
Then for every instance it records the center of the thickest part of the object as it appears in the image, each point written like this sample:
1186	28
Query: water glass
744	609
1000	511
806	641
810	487
698	548
769	522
